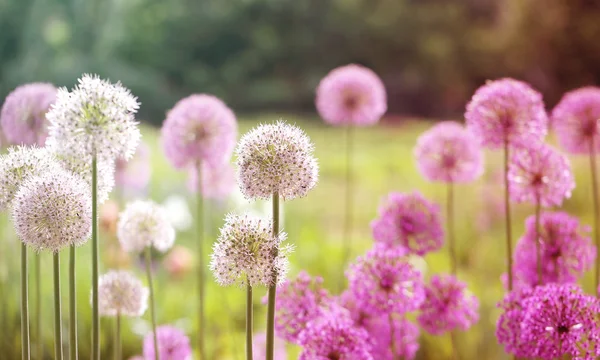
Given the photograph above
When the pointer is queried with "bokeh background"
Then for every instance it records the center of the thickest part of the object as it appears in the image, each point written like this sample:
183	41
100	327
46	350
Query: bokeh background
264	58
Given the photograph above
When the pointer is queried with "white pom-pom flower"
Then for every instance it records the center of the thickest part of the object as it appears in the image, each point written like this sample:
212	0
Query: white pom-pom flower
95	118
143	224
276	158
53	211
246	252
82	165
121	293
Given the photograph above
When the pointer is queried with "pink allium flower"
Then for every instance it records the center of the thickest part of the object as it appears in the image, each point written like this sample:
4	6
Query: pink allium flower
334	337
448	153
410	221
561	320
173	344
23	115
218	180
537	172
575	120
567	251
299	301
508	327
351	94
506	111
199	127
448	306
259	348
383	282
179	261
135	173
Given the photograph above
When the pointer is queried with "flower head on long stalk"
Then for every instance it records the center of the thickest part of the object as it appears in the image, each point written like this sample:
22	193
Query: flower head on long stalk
143	224
121	293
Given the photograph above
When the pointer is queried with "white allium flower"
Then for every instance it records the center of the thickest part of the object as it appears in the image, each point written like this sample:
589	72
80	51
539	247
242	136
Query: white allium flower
53	210
81	165
276	158
17	165
178	212
119	292
245	252
145	223
94	118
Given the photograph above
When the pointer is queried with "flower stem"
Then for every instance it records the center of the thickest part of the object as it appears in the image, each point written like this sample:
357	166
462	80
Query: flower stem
392	336
200	228
348	198
507	215
38	306
273	286
450	227
72	306
538	244
24	305
95	314
596	209
152	307
118	337
57	316
248	321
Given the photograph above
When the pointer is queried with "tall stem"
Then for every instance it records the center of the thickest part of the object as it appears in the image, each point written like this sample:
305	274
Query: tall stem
118	337
248	321
392	336
507	215
38	306
57	316
24	305
72	306
152	306
538	244
200	233
596	208
95	314
450	227
348	197
273	286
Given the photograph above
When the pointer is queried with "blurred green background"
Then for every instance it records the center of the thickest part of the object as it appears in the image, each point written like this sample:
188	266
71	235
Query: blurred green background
264	58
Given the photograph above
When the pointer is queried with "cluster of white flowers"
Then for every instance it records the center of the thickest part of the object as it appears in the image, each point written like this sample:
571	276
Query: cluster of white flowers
82	165
143	224
119	292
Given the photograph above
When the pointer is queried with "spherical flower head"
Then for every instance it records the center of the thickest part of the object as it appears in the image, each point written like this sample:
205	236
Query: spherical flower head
506	111
96	118
537	172
217	180
246	252
566	249
135	173
448	306
575	120
508	327
81	165
409	221
121	293
299	301
52	211
351	95
23	115
276	158
404	332
200	127
144	223
383	281
561	320
259	345
334	337
17	165
448	153
173	344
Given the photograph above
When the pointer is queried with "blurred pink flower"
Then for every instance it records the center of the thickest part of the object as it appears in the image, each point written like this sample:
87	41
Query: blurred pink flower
218	180
576	120
109	216
179	261
259	348
173	344
135	173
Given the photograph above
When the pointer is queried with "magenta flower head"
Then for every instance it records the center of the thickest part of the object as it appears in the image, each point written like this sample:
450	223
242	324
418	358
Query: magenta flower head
506	111
561	320
135	173
173	344
276	159
449	153
409	221
405	333
23	115
567	250
259	345
351	95
383	281
199	127
217	181
299	301
448	306
537	172
508	327
334	337
576	120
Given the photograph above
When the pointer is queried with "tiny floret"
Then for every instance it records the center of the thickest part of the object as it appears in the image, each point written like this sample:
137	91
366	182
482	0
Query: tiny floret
144	223
121	293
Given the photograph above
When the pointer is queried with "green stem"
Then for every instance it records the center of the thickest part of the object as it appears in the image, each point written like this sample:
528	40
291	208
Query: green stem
57	316
24	305
348	198
248	321
200	228
538	244
273	286
450	228
95	314
118	337
507	214
392	336
596	209
152	307
38	306
72	306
